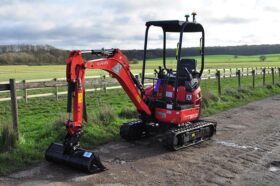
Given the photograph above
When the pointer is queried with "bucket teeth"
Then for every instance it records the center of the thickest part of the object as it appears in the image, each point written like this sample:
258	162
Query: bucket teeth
97	165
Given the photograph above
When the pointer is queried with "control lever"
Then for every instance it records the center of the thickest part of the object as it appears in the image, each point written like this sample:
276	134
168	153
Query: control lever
189	74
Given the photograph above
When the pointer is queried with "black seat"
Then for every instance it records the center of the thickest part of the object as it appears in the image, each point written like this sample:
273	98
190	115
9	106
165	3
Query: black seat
189	64
191	79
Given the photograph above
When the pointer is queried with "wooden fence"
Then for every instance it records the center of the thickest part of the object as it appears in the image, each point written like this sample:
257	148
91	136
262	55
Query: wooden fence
11	87
104	83
238	74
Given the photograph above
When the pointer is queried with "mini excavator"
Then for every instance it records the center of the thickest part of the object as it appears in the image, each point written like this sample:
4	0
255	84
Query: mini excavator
170	106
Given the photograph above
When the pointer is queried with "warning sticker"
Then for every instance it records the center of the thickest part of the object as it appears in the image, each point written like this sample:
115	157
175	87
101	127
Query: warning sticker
138	98
87	154
168	94
117	68
80	97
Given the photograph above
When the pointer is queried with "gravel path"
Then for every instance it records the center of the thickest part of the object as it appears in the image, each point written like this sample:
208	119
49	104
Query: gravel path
245	151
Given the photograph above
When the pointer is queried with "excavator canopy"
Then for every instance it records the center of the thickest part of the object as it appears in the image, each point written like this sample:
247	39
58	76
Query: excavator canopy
176	26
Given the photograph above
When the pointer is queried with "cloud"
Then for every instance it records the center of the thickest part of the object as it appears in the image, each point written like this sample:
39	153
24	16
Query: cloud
272	9
230	20
121	23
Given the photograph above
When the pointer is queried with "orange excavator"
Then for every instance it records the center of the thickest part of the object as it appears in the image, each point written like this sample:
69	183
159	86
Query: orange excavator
170	106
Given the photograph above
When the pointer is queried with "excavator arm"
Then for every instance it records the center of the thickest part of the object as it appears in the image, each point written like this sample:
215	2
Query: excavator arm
114	62
117	65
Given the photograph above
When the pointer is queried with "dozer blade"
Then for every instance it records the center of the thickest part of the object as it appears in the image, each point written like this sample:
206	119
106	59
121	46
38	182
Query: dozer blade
80	159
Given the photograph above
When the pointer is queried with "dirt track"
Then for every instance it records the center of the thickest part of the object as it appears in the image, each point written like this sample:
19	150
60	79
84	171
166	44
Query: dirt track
245	151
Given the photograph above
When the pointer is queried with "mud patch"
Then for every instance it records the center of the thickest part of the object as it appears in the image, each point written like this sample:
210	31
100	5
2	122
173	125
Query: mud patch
81	178
251	107
27	173
276	98
111	184
119	161
236	126
234	145
274	166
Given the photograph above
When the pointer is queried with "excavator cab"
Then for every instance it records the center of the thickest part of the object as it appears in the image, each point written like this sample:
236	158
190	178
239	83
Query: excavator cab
176	93
186	73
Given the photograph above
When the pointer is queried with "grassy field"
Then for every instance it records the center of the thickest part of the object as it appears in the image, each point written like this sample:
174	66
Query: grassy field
21	72
41	120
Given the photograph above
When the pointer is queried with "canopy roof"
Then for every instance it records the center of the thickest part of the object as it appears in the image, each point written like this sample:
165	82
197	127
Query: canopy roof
176	26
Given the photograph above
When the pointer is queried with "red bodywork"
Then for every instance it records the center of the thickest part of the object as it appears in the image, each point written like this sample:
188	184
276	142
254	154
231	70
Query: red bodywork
117	65
171	116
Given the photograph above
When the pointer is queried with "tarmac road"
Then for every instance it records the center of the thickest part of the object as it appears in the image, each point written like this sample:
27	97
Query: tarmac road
245	151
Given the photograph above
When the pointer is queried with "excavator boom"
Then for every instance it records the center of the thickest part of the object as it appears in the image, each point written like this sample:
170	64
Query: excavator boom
116	64
112	61
119	68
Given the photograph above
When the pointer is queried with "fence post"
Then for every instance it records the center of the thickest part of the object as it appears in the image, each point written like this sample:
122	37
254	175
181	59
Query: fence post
253	75
218	76
209	73
272	74
56	89
230	72
14	106
24	91
263	71
104	83
256	71
242	70
224	73
279	71
238	78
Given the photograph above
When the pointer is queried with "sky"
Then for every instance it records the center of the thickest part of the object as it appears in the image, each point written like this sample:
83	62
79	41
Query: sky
93	24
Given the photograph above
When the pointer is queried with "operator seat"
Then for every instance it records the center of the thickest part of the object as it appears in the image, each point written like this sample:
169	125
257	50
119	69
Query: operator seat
187	74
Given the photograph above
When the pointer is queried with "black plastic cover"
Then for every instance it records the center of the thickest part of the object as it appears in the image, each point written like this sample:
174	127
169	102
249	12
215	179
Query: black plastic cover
176	26
189	64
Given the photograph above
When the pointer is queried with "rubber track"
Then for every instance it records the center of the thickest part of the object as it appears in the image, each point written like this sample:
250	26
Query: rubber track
188	128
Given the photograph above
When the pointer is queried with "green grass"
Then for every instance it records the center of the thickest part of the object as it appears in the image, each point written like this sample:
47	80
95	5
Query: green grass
41	120
220	61
23	72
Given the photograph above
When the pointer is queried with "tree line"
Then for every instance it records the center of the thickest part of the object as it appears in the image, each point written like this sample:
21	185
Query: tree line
245	50
48	55
31	55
